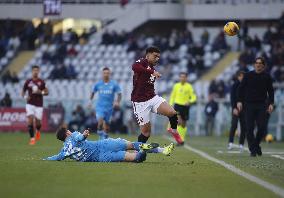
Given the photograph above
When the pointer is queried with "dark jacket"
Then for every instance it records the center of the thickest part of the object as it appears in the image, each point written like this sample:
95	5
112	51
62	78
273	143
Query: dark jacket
255	88
211	108
233	94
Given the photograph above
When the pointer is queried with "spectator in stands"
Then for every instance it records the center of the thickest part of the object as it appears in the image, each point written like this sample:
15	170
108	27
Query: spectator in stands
30	35
57	38
249	44
59	72
70	72
267	35
3	45
247	57
221	89
14	78
276	73
205	37
6	101
132	45
213	87
70	37
198	49
281	20
256	43
72	51
93	29
47	31
116	124
243	34
7	77
106	38
91	122
210	110
78	119
60	53
14	42
85	35
219	42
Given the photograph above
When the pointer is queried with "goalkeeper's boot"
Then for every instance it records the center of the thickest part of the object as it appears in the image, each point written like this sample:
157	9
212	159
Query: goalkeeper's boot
168	149
37	135
146	147
175	135
140	157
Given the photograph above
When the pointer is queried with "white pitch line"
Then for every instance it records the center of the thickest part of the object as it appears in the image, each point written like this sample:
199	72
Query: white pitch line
278	156
276	189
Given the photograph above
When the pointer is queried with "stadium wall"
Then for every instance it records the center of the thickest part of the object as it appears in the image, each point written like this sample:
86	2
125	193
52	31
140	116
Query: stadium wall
153	11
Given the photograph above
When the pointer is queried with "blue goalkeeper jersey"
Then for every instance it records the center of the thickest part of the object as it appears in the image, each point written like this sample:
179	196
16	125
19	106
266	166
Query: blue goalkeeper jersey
77	148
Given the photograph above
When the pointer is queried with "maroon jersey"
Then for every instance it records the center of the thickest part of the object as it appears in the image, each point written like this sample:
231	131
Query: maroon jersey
31	86
143	81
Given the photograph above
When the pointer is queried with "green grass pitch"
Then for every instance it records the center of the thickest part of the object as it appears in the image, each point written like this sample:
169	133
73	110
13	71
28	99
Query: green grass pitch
23	173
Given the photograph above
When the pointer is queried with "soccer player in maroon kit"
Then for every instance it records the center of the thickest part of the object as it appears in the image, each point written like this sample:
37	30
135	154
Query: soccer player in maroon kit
144	99
34	108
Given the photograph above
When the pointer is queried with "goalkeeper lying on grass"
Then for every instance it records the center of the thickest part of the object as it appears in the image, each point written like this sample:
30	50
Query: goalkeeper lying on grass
76	147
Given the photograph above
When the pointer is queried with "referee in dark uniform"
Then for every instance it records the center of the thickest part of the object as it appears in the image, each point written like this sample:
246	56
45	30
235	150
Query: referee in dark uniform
255	89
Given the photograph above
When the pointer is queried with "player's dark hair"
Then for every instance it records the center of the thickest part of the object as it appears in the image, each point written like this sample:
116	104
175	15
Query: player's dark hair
35	67
153	49
106	69
183	73
240	72
61	133
261	59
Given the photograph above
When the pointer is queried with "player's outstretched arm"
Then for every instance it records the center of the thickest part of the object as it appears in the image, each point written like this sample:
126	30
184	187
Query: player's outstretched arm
60	156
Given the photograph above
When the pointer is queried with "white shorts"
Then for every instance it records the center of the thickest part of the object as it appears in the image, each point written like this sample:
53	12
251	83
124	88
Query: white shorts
34	110
142	109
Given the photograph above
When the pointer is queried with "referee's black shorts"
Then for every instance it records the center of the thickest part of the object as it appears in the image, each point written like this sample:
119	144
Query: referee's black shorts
183	111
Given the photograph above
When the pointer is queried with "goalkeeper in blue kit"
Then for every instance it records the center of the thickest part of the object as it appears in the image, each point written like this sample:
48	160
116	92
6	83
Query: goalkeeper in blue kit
76	147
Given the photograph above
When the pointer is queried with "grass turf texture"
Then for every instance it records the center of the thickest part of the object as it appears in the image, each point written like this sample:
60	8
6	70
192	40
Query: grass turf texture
184	174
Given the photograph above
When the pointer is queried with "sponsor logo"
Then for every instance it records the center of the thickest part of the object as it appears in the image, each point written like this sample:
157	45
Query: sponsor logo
7	118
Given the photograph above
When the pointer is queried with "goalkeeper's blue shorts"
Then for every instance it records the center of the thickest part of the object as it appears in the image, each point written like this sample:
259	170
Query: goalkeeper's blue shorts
111	150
